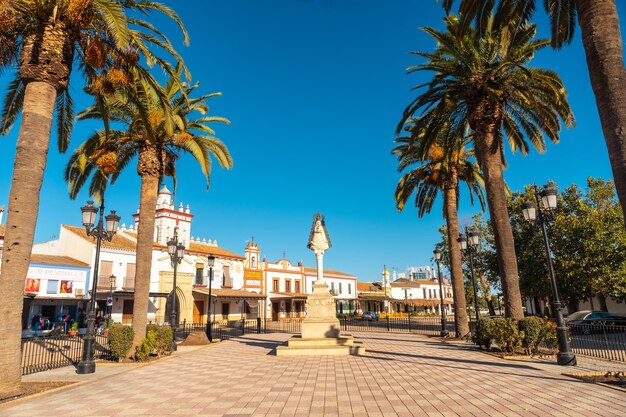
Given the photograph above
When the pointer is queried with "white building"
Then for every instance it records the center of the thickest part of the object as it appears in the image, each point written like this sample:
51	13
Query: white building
404	295
286	285
242	286
117	258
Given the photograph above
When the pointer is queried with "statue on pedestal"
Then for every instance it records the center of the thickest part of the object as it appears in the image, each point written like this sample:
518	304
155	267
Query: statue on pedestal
320	329
319	242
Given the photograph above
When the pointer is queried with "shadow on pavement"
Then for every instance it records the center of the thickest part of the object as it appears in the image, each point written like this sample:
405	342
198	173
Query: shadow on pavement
271	345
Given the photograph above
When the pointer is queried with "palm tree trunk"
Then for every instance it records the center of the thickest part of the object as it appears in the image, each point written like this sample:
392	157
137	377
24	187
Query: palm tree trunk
456	270
31	154
148	169
491	165
602	40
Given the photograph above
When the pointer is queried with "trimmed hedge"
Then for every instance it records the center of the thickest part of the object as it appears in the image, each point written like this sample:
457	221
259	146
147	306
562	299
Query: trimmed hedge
120	340
164	337
529	334
158	341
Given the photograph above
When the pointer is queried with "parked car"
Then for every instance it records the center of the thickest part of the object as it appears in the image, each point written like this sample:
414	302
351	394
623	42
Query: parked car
587	322
370	315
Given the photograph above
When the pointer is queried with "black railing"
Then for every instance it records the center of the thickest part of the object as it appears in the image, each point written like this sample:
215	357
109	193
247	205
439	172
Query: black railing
283	326
599	341
421	325
50	352
221	329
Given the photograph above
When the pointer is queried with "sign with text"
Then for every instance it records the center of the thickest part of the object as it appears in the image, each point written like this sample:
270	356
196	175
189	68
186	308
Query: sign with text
40	272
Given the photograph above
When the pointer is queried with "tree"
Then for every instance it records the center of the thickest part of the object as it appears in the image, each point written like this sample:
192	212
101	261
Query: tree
43	39
588	245
602	40
485	80
484	260
157	146
440	167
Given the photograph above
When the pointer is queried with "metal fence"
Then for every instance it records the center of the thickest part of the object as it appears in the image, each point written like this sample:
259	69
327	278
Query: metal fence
599	341
55	351
221	329
423	325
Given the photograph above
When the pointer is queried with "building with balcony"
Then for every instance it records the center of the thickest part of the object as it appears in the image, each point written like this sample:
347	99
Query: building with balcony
286	285
395	294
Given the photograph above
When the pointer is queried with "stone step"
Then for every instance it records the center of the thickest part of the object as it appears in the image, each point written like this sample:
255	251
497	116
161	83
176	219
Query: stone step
314	351
298	341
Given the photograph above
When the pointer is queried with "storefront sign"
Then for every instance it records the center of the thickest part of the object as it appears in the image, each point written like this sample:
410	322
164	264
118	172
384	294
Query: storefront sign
253	282
40	272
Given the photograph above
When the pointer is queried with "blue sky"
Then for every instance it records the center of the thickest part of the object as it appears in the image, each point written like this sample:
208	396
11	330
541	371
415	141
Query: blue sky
314	89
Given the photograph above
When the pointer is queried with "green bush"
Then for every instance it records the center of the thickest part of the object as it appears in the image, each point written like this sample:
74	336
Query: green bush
120	340
147	346
484	333
507	335
163	342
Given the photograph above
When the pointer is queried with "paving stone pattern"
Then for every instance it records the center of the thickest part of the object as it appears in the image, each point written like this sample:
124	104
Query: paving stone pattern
401	375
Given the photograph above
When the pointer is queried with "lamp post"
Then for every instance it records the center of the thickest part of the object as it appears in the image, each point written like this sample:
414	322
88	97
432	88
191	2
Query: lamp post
176	250
541	213
112	281
473	238
209	325
444	330
105	229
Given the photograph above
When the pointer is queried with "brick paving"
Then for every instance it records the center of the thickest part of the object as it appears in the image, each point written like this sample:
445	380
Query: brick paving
401	375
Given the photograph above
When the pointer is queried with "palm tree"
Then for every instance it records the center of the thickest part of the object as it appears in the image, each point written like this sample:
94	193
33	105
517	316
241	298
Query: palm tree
438	166
104	155
602	40
484	80
42	40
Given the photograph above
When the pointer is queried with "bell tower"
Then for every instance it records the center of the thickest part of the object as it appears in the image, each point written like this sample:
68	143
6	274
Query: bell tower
167	218
252	254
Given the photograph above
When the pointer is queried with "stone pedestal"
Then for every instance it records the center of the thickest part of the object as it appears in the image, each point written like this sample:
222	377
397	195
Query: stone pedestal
321	330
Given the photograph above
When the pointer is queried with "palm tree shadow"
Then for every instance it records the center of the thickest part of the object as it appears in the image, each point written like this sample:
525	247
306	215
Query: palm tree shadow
467	361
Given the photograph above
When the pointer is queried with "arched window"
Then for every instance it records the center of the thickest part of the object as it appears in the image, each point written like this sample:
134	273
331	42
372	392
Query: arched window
253	262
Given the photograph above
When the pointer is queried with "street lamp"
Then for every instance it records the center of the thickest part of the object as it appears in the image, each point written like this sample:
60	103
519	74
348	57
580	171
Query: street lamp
209	325
444	330
541	213
112	281
467	243
176	250
106	229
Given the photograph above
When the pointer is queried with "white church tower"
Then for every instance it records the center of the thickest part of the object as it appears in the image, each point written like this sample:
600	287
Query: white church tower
167	218
252	254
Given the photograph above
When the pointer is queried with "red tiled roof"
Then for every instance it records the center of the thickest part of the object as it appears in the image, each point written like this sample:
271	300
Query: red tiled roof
56	260
118	241
203	249
367	287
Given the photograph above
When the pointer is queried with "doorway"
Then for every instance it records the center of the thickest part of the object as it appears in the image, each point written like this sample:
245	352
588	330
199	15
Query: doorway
127	311
275	310
198	311
225	310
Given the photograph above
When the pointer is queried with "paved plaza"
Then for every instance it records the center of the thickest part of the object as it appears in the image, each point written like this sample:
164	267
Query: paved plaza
401	375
